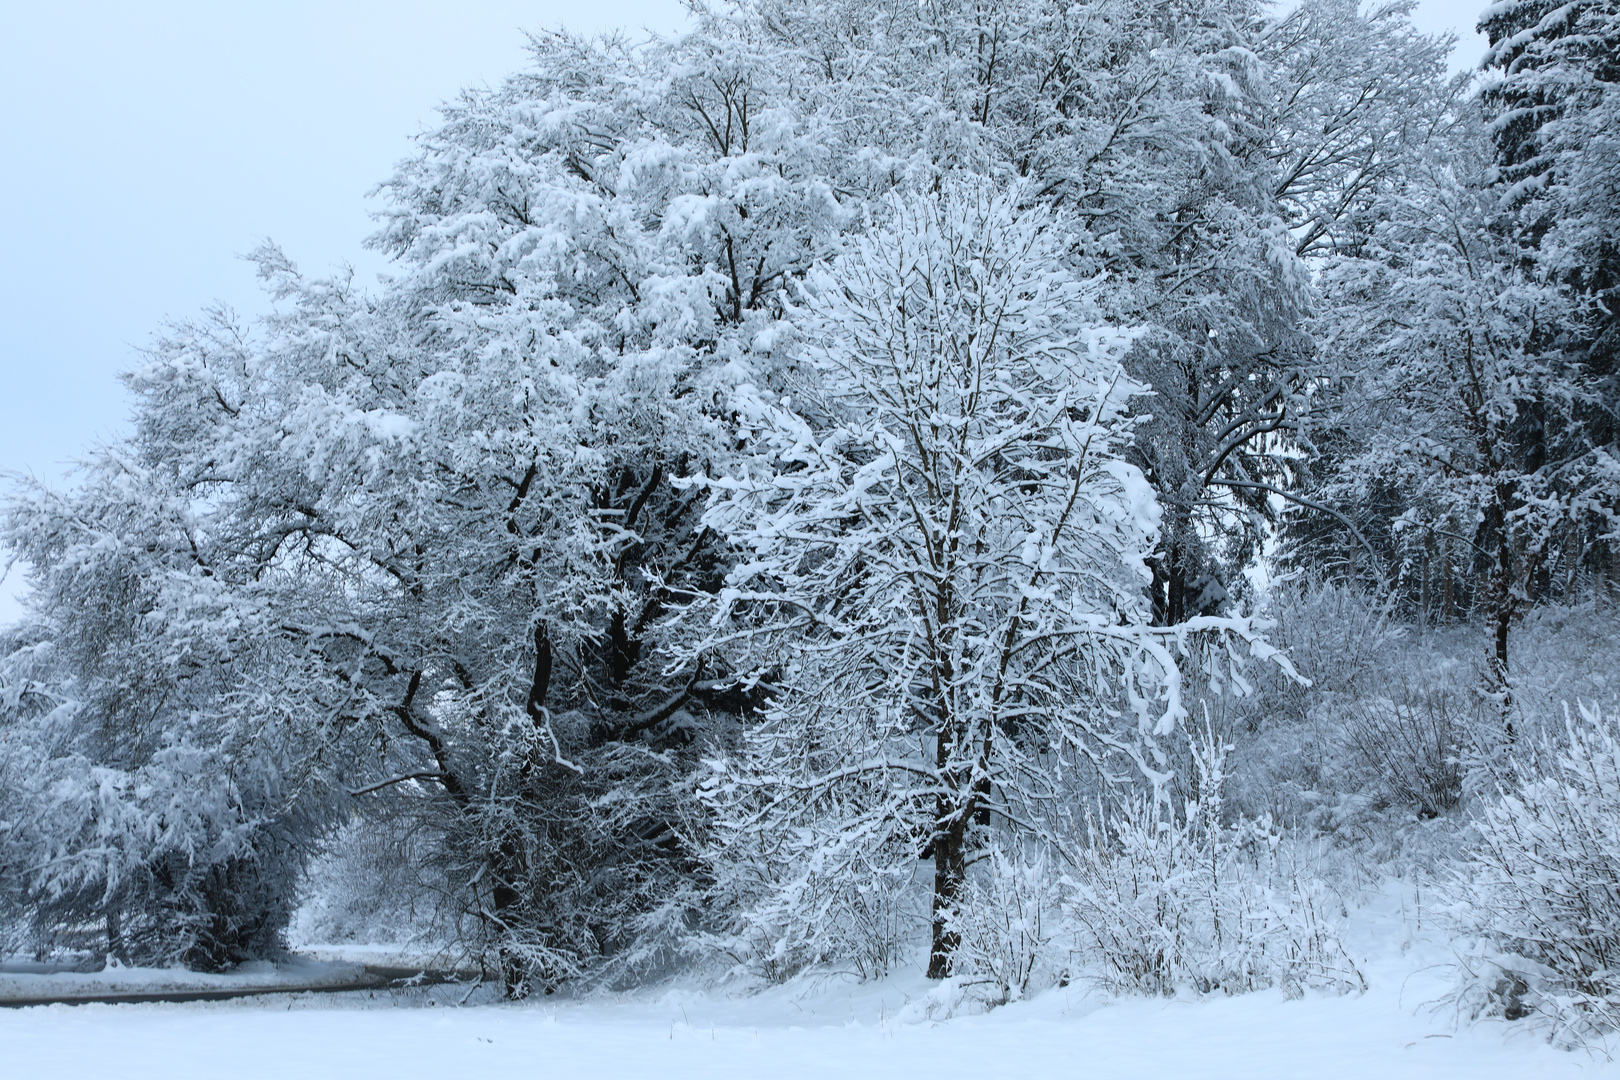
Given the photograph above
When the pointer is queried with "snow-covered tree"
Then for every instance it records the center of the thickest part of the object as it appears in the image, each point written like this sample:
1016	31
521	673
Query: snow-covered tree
448	504
1358	94
1205	150
944	571
1554	111
1469	398
1163	129
166	760
1321	113
1555	108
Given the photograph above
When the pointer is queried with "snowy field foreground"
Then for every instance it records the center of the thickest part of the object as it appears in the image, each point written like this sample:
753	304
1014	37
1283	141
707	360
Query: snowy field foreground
810	1029
1374	1036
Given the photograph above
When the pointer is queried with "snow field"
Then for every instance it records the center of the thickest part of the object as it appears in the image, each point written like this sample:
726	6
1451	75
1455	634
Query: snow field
821	1028
1057	1035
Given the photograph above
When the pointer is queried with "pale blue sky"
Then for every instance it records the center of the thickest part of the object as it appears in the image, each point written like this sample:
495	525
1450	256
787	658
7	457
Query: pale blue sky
147	145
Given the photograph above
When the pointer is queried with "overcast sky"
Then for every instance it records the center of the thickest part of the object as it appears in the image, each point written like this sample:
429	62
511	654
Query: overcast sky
146	146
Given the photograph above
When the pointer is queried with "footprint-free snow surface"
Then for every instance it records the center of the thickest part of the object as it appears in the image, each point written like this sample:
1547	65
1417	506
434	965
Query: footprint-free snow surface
820	1028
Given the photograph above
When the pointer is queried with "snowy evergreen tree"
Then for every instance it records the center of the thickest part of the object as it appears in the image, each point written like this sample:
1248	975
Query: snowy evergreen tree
1469	398
1554	109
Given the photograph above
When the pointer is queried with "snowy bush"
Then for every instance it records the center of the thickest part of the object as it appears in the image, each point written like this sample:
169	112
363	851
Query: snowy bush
1391	727
1411	747
805	898
1542	887
1336	636
1008	920
1290	748
1565	653
1165	899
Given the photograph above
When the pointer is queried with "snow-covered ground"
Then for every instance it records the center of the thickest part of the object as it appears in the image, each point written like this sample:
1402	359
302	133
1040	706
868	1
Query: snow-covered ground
812	1029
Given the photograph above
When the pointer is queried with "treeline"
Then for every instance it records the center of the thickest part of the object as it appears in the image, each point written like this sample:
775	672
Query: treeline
805	482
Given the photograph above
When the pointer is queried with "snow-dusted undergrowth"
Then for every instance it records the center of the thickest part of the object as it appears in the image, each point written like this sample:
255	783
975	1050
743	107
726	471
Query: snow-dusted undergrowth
1542	885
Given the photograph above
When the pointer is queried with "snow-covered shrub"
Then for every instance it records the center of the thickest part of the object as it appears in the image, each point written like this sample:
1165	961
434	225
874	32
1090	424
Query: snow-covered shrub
1565	653
1290	760
1542	887
1008	918
1411	746
1335	635
1391	728
1163	899
806	897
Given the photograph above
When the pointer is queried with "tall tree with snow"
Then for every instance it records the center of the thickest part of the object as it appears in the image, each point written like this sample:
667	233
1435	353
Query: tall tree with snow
1469	398
447	506
1162	129
944	571
1554	111
166	758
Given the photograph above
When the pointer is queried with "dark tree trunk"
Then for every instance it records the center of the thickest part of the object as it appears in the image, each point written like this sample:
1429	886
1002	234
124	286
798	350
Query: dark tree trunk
1181	569
506	867
115	934
1171	582
1501	601
950	857
508	863
950	869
